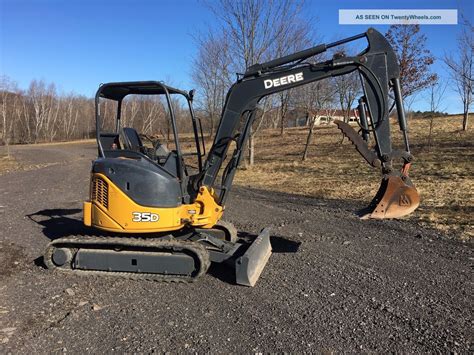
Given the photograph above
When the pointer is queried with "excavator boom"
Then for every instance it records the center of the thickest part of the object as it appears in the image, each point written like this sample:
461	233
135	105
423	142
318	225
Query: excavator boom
379	74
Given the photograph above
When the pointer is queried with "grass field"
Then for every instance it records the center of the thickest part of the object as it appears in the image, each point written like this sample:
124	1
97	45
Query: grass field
442	173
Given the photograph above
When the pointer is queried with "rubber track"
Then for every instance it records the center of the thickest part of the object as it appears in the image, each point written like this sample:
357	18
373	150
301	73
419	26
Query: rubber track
77	242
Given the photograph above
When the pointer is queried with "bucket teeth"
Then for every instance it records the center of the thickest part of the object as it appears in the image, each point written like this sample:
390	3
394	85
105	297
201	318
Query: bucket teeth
360	145
394	199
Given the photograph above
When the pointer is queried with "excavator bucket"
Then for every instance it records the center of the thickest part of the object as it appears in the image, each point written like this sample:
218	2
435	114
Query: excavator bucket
395	198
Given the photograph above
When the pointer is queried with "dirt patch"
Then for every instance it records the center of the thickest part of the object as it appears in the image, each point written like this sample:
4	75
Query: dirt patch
442	172
12	258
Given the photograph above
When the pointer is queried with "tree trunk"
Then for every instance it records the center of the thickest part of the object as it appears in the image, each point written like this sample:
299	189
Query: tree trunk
430	133
283	111
308	139
212	125
465	120
282	123
251	148
308	119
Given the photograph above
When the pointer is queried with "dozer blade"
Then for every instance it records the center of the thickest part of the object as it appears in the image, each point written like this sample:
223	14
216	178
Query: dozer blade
249	266
395	198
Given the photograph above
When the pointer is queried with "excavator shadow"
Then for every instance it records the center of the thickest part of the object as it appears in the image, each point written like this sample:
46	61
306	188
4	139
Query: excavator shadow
60	222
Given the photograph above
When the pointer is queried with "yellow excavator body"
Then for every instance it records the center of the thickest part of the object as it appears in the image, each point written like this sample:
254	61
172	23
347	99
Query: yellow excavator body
110	209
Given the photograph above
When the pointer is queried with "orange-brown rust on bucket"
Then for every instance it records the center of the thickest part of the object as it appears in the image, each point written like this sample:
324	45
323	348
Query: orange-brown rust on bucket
395	198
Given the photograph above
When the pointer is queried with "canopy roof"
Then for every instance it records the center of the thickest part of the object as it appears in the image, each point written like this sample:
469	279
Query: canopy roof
117	91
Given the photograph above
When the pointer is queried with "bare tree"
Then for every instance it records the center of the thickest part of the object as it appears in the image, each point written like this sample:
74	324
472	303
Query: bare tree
50	104
309	137
461	67
45	110
23	119
347	88
256	31
153	112
8	103
256	27
296	39
414	58
130	111
435	98
70	115
264	107
316	99
211	73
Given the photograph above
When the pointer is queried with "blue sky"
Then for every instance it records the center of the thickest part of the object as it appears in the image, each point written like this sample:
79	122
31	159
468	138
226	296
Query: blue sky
78	44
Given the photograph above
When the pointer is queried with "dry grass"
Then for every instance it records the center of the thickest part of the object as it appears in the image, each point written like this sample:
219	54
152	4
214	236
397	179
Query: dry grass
76	141
7	163
443	174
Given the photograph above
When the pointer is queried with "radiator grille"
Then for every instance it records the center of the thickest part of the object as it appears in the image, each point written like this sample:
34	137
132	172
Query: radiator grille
100	192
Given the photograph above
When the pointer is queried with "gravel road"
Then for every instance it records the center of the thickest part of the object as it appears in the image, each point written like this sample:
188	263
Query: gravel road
334	283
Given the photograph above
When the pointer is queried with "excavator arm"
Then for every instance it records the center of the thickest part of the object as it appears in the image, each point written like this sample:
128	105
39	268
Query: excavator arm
379	73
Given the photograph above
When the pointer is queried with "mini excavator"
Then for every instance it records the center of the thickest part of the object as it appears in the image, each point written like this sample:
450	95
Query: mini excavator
160	222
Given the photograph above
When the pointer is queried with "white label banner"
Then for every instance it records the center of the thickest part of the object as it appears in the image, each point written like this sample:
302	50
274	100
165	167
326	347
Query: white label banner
398	17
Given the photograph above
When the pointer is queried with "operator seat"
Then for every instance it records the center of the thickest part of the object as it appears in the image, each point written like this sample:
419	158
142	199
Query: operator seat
160	155
132	140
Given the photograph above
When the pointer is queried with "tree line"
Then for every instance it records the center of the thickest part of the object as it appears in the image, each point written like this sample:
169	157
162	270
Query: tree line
41	114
